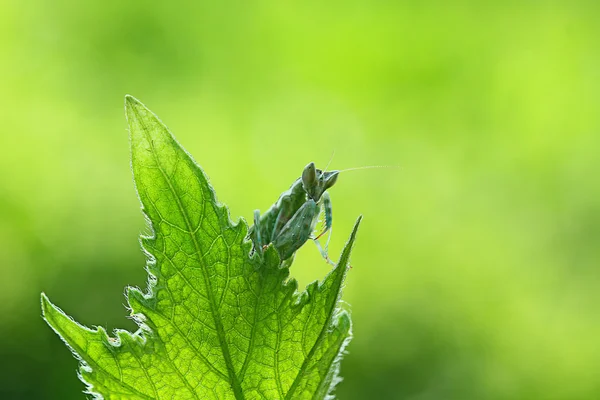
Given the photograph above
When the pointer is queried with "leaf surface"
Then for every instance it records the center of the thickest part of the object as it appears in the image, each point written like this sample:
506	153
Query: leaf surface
214	322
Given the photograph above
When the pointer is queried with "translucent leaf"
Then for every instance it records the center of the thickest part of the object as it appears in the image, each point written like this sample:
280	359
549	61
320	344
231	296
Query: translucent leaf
214	322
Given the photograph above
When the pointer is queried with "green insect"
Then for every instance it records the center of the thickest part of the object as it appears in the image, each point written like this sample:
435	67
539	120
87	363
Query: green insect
291	221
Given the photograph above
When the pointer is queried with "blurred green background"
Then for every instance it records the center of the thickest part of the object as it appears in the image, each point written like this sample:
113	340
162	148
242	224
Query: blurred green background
476	271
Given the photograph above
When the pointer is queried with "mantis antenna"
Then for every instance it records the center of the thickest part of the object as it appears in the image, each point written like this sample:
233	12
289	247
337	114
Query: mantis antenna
330	160
369	167
357	168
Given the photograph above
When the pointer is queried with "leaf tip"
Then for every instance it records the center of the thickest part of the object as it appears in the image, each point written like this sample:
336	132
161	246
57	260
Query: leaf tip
131	101
350	243
46	304
355	229
358	221
133	107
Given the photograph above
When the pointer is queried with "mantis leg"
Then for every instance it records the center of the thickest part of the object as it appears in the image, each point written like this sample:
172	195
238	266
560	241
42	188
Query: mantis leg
328	215
257	239
328	223
324	252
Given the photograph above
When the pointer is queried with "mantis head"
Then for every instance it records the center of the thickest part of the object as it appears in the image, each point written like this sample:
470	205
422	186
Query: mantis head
316	182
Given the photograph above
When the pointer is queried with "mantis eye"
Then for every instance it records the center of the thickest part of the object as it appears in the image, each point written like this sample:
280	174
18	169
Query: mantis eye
309	175
331	179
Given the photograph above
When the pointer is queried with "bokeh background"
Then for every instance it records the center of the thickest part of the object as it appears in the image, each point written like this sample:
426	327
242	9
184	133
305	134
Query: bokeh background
476	273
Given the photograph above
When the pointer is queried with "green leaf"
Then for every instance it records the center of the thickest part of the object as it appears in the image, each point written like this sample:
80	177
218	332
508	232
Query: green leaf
214	322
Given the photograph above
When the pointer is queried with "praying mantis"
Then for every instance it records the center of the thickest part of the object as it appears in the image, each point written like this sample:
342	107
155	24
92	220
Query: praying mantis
290	222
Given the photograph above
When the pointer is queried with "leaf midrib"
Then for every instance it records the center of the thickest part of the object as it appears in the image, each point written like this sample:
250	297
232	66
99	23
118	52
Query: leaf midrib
233	380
